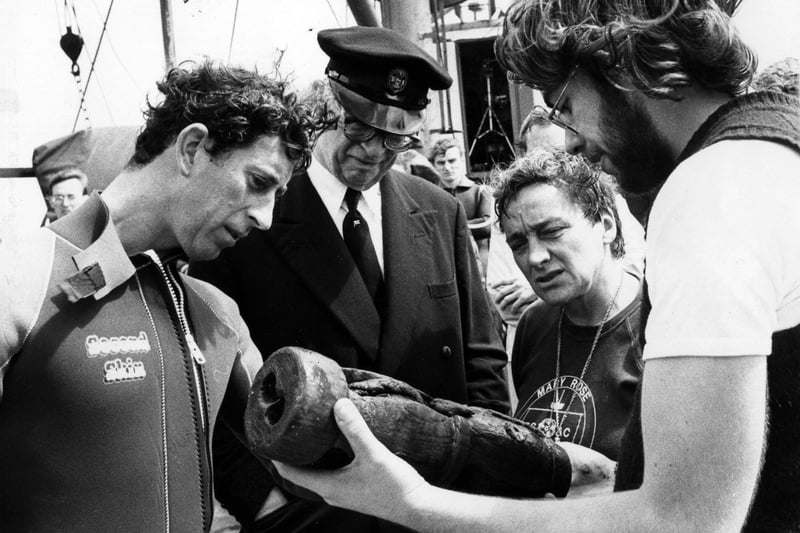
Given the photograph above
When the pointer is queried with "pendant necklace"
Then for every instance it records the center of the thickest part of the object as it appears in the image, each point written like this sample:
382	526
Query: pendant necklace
557	404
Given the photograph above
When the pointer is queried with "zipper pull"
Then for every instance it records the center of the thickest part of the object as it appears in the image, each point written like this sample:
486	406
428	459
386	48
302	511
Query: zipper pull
197	355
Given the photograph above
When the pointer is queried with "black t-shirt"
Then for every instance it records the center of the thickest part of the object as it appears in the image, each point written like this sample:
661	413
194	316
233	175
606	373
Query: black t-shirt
591	412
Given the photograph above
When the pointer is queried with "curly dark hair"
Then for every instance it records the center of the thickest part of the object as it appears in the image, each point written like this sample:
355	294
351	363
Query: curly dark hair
320	98
236	105
782	76
661	45
590	189
441	146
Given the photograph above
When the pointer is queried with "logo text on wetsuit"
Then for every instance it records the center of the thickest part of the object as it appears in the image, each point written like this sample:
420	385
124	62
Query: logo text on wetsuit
118	370
103	346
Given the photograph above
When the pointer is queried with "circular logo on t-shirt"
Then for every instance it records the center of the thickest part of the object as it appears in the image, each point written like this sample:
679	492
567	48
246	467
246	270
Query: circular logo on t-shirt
565	410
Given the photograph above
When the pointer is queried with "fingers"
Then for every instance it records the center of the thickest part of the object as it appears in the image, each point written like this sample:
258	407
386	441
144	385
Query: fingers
504	288
355	429
287	471
523	299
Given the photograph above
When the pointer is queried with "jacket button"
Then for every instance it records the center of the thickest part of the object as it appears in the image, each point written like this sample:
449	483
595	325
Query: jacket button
447	352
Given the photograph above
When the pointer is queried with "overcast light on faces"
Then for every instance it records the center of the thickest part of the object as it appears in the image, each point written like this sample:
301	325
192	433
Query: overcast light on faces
614	131
559	250
228	195
66	196
450	166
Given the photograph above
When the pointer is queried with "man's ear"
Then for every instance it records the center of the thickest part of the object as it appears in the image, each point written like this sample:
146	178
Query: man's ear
190	141
610	227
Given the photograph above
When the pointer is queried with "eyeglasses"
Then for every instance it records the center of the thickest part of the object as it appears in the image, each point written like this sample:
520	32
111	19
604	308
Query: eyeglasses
554	116
357	131
59	198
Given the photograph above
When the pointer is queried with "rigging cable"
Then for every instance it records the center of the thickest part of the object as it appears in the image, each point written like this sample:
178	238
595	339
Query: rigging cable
122	64
72	45
334	13
94	60
233	29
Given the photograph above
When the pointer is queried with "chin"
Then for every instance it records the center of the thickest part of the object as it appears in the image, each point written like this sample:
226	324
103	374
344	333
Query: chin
206	254
555	298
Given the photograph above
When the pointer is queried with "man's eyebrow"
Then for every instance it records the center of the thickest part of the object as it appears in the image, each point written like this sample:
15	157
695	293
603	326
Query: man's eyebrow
264	173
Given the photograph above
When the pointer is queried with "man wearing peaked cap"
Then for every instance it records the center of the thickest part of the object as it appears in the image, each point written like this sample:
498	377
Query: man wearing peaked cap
364	264
381	78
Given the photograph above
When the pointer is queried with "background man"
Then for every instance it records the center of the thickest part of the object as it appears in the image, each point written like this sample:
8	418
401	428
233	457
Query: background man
577	356
447	157
68	190
654	91
113	366
402	298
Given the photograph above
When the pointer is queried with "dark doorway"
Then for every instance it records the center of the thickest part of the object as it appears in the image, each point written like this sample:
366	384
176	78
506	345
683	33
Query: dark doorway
488	128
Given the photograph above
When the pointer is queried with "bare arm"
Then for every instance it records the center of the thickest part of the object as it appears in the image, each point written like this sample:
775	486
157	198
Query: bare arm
703	424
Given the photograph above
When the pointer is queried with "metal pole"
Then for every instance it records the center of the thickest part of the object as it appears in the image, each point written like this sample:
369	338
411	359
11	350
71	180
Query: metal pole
363	13
167	33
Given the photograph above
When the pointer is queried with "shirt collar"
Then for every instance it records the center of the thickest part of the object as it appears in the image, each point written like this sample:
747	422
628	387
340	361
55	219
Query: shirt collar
103	265
463	182
332	190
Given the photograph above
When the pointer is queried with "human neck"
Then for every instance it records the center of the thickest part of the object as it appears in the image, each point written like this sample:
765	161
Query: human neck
591	308
677	121
451	184
139	201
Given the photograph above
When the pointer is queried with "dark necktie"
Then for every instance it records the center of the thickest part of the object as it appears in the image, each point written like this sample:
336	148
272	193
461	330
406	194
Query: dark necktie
359	242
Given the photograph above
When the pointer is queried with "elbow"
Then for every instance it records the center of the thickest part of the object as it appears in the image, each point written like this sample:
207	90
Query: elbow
685	509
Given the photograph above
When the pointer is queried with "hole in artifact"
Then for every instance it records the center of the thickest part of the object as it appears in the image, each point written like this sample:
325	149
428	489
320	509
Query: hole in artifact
274	401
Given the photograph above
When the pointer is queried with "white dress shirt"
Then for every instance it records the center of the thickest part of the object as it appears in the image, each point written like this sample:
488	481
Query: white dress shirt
332	191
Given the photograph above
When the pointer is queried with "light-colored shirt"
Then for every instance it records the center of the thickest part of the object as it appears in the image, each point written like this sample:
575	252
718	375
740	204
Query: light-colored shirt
332	192
725	275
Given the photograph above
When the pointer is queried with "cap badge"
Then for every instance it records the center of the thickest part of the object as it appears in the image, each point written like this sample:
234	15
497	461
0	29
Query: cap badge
396	81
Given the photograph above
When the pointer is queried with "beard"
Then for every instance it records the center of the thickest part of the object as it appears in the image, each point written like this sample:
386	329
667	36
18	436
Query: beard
640	155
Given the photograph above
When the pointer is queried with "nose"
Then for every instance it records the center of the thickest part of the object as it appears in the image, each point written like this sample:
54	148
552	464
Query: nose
260	215
537	253
374	147
573	142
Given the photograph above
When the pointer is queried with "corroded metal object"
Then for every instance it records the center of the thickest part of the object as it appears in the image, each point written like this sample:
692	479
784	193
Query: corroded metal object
289	418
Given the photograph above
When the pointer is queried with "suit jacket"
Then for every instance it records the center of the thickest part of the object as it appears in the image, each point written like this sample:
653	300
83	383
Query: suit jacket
296	284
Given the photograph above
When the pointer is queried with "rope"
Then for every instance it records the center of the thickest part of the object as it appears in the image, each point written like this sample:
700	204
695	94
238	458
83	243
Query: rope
91	69
75	72
334	13
233	29
122	64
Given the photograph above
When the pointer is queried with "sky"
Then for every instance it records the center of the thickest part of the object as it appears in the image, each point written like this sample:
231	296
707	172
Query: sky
39	97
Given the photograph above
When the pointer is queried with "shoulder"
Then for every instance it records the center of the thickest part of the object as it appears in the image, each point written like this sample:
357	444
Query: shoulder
420	189
747	162
723	258
726	183
532	328
25	278
220	304
538	316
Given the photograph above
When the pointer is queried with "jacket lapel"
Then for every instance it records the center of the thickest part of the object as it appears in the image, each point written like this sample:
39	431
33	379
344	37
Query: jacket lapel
305	237
408	258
